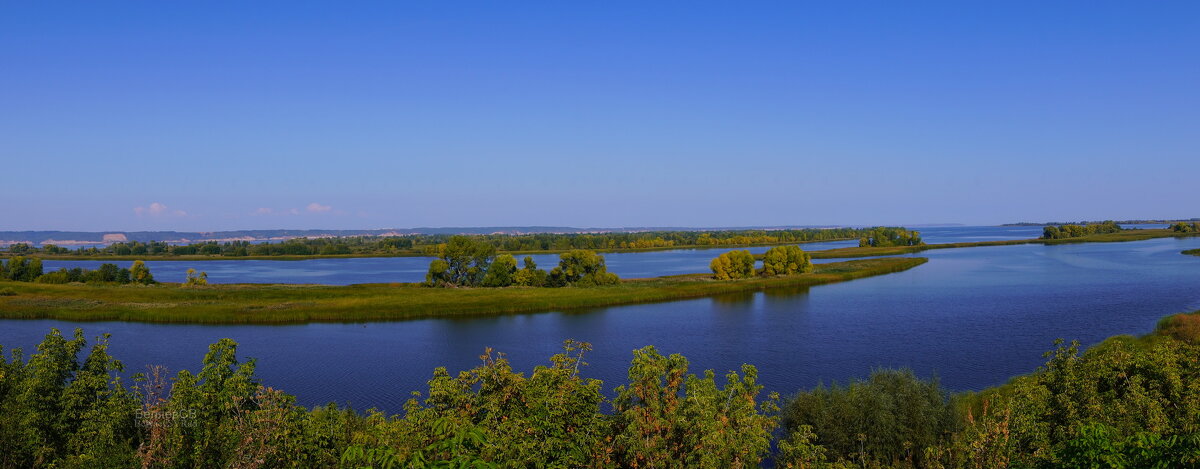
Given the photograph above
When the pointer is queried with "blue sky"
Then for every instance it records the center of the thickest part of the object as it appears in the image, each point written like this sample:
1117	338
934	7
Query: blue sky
209	116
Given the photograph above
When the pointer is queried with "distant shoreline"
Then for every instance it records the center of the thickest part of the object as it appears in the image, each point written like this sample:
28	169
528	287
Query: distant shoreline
1118	237
200	257
1097	222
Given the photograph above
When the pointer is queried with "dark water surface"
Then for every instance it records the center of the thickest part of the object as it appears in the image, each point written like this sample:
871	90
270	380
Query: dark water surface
973	316
346	271
412	269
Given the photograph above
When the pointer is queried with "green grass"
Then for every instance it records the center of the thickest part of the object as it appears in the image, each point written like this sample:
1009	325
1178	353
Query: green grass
1122	236
258	303
1192	252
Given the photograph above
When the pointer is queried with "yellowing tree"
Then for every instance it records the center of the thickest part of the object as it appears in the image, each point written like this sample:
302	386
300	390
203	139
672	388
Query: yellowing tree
733	265
786	260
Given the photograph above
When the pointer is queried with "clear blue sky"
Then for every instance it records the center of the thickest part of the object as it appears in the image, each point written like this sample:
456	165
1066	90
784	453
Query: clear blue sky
206	116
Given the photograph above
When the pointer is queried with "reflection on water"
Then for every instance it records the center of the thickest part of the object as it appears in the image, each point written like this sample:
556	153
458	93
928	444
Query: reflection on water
974	316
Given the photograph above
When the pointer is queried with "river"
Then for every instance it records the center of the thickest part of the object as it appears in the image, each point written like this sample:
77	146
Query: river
974	317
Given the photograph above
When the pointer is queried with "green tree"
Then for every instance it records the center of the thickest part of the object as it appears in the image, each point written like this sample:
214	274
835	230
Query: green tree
501	271
17	266
196	279
530	275
439	273
786	260
668	418
140	273
883	236
891	416
59	276
581	267
467	259
733	265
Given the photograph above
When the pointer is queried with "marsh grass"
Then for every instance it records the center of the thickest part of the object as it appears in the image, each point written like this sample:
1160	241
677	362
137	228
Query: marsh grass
268	304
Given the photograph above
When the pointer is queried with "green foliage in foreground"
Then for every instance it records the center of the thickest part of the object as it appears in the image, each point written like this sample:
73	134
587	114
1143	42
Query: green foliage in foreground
1126	403
64	413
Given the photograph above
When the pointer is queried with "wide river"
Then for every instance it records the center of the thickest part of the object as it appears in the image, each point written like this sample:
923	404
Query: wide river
412	269
973	317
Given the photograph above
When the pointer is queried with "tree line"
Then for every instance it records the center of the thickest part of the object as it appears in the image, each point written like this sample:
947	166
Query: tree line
886	236
470	262
779	260
24	269
431	244
1075	231
1182	227
1124	403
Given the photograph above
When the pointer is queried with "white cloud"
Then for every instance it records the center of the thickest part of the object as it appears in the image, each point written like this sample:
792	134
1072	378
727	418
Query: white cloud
158	210
317	208
263	211
294	211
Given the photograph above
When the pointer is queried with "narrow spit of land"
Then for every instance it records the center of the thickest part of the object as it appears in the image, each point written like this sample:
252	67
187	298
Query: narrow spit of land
1192	252
260	303
1121	236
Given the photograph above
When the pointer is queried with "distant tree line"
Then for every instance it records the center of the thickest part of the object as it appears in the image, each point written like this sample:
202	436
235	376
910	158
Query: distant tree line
1182	227
432	244
779	260
885	236
1076	231
23	269
471	262
1125	403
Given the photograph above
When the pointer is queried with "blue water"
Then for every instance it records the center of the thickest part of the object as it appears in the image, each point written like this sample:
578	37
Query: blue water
412	269
974	317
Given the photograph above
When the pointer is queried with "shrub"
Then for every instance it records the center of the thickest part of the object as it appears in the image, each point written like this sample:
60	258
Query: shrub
786	260
530	275
733	265
890	416
57	277
500	272
583	268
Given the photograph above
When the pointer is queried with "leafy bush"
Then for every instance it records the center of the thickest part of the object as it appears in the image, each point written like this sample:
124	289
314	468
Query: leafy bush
733	265
786	260
889	417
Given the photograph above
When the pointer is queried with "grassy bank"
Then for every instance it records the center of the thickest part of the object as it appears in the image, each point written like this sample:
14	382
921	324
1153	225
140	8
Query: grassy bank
1192	252
1123	236
255	303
